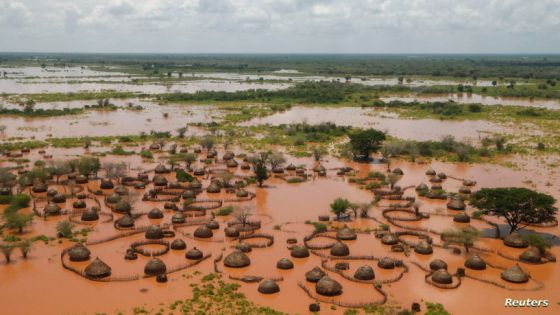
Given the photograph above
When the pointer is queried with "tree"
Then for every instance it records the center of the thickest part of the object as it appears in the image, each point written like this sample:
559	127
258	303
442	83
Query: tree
339	206
114	170
58	168
494	82
207	143
188	158
276	159
242	214
259	167
7	179
17	221
538	242
7	251
365	142
518	206
466	236
181	131
88	165
25	247
318	153
3	129
64	229
393	178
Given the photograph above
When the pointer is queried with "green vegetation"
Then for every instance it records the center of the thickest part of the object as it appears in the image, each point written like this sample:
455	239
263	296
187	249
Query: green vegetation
225	211
13	218
365	142
435	309
537	241
339	207
518	206
465	236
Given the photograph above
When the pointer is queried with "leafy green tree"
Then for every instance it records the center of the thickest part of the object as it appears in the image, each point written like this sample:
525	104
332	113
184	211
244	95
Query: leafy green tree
518	206
259	167
17	221
539	242
64	229
339	206
365	142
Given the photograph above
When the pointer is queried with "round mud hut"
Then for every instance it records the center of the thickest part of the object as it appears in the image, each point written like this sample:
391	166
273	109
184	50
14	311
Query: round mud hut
79	252
237	259
328	287
268	286
97	269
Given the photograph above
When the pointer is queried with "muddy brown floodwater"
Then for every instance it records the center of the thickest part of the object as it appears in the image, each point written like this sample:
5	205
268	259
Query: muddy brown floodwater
40	284
470	98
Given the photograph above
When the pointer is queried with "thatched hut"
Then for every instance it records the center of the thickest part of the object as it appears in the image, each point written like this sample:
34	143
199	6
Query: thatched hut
106	184
423	248
462	218
159	180
228	155
79	204
123	207
52	209
242	193
386	263
389	239
178	218
189	194
81	179
475	262
465	190
422	187
237	259
340	249
531	255
515	274
456	203
442	175
398	171
203	232
328	287
277	170
58	198
231	231
315	274
213	188
113	198
468	182
154	267
244	247
299	251
154	232
126	221
161	169
199	171
97	269
169	205
52	192
442	276
346	234
90	214
291	167
430	172
39	188
245	166
154	146
155	213
437	264
232	163
515	240
194	254
435	179
196	184
178	244
364	272
79	252
285	264
268	286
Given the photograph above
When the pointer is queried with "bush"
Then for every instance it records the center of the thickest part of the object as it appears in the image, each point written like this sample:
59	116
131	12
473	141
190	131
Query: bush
225	211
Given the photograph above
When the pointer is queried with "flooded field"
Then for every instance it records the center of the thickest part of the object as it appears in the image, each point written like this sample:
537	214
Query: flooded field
421	129
278	212
465	98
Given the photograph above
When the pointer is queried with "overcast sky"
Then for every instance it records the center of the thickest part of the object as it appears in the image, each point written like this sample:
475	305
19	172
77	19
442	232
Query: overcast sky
282	26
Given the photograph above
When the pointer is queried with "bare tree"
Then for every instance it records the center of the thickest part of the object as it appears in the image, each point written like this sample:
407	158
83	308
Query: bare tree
242	214
115	170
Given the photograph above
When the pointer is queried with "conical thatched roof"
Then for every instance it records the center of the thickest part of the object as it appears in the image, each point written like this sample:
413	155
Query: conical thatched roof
437	264
430	172
532	256
232	163
90	215
398	171
59	198
285	264
244	247
213	188
346	234
435	179
468	182
475	262
456	203
442	175
161	169
199	171
125	221
154	267
178	218
340	249
299	251
97	269
231	232
328	287
213	225
196	184
159	180
315	274
203	232
237	259
423	248
421	187
169	205
123	207
242	193
79	204
386	263
364	272
106	184
464	190
442	276
39	188
121	190
228	155
389	239
79	252
52	209
194	254
268	286
155	213
154	232
515	240
178	244
515	274
462	218
81	179
189	194
291	167
114	198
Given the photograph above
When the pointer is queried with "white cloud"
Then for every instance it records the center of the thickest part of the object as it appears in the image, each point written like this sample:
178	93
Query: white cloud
282	25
